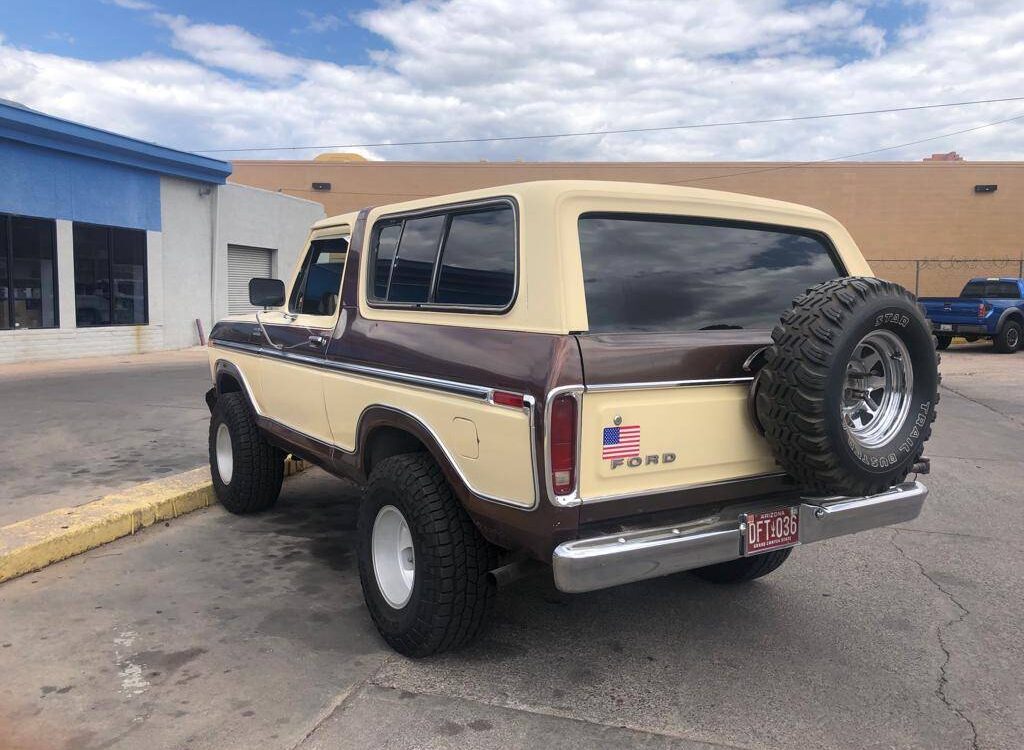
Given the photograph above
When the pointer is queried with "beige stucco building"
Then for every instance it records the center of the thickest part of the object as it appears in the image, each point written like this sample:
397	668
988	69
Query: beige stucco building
923	224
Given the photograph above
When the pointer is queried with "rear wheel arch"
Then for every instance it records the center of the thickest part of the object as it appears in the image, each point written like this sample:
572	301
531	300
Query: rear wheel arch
386	431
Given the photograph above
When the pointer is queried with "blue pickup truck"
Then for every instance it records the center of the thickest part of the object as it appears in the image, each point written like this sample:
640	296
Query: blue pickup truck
991	308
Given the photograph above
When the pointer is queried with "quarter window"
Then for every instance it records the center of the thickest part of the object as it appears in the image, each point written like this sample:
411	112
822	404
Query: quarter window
319	283
110	276
478	265
463	258
28	272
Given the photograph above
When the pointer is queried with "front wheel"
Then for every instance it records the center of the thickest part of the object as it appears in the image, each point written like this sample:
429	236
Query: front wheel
1008	340
247	470
423	565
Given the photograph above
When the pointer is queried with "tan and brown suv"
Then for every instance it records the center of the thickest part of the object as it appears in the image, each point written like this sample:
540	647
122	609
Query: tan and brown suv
620	380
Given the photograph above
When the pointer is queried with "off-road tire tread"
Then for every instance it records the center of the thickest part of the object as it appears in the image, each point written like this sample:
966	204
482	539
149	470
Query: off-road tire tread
259	466
452	557
743	569
791	393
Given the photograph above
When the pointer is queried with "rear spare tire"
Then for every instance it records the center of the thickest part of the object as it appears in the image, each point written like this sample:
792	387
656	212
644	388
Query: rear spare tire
848	391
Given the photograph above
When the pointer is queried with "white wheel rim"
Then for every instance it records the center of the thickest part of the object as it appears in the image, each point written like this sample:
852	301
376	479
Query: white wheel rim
225	455
394	558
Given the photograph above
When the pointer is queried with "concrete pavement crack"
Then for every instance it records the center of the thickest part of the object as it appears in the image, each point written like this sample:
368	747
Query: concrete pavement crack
341	699
982	404
940	690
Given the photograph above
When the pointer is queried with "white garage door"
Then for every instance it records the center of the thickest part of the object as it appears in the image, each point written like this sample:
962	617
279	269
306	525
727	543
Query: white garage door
246	263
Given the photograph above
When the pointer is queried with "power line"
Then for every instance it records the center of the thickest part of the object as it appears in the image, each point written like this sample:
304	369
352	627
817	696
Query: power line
692	126
798	165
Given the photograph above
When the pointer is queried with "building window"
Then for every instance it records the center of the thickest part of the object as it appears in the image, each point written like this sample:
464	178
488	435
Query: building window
28	272
110	276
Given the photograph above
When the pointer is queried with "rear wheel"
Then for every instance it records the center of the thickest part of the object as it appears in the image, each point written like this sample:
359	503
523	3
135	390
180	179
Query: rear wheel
423	565
745	568
943	342
1008	340
247	470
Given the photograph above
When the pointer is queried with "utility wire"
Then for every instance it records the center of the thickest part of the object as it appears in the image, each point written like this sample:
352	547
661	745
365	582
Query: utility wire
848	156
796	165
693	126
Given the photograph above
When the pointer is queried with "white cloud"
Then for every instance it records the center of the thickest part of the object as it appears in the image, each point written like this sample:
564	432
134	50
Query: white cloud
131	4
319	24
60	36
463	68
228	47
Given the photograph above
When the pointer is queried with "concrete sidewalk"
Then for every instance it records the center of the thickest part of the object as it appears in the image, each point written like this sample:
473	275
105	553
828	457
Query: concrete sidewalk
76	430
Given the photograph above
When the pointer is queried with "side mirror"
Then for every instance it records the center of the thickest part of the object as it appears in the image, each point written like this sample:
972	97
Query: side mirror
266	292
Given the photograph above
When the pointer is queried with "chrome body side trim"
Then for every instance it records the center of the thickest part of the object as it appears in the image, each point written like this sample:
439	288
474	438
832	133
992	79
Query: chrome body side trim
482	393
604	561
667	384
475	392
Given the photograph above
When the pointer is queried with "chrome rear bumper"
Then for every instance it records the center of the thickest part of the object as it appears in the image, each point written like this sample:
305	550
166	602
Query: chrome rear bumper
600	562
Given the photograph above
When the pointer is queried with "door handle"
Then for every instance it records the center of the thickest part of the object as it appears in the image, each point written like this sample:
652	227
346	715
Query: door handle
317	340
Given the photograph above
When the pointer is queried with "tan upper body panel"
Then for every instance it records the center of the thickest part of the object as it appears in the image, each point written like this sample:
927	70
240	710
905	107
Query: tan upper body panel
550	296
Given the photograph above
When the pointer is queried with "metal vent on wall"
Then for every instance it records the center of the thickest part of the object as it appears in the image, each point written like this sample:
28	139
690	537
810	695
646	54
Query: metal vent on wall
246	263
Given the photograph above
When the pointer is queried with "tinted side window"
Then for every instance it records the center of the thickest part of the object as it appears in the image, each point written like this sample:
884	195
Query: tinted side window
478	262
387	242
660	273
414	264
318	286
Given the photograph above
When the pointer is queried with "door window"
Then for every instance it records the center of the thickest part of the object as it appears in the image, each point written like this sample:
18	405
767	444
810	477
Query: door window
318	286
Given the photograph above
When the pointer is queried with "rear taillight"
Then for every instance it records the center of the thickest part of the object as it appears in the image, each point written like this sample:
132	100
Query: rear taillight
982	310
562	445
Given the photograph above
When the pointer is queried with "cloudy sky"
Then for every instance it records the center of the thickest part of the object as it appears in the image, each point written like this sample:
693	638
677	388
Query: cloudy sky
219	74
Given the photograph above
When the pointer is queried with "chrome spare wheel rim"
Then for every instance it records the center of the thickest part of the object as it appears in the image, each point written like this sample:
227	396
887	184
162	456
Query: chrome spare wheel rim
394	559
225	455
878	389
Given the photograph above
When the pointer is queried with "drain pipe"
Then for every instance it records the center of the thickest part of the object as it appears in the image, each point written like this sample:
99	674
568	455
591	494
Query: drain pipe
214	248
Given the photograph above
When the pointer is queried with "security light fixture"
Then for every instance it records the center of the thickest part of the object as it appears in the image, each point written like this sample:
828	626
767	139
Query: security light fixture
985	188
321	186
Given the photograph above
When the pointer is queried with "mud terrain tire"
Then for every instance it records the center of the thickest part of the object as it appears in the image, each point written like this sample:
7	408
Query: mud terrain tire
253	481
452	591
743	569
847	347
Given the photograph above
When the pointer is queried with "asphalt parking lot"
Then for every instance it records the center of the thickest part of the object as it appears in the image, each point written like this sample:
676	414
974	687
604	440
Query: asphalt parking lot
76	430
225	632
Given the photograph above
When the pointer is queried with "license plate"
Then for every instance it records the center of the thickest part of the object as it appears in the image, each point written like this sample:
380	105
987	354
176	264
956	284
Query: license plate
945	326
773	529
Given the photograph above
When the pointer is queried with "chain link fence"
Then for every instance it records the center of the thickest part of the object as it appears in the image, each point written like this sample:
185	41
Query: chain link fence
943	277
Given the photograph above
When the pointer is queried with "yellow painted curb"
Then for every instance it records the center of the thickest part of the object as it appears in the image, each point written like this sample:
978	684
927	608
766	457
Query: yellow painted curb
36	542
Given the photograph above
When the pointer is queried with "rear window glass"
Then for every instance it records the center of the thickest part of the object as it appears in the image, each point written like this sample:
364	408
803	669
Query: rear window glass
661	273
991	289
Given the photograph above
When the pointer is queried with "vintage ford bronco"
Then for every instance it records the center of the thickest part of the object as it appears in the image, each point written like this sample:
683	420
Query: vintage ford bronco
619	380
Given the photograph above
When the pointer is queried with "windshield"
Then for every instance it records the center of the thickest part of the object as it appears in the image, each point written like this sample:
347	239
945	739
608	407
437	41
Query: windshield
663	273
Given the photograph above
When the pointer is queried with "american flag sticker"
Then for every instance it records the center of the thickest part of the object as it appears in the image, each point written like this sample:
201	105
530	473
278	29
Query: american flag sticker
621	442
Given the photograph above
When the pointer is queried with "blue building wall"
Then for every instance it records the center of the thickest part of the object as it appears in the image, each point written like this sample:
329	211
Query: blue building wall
52	184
